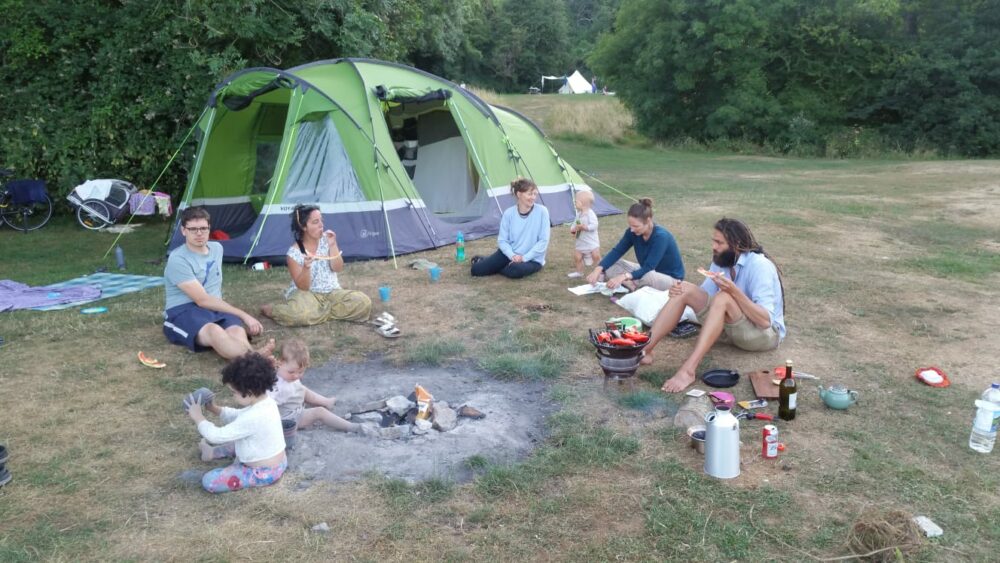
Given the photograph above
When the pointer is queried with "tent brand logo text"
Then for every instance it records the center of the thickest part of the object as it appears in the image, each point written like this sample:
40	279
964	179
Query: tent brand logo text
365	233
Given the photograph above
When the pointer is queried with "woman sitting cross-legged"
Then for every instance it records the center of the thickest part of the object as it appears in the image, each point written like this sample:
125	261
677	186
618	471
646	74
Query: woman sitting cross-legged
660	265
315	295
523	237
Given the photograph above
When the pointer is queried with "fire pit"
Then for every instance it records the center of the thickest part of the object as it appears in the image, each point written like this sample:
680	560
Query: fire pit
618	361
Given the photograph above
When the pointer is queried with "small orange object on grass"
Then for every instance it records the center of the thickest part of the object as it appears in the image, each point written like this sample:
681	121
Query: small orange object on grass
150	362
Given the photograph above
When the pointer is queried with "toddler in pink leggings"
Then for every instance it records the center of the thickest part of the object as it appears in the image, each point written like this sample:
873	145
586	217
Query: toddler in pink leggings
252	434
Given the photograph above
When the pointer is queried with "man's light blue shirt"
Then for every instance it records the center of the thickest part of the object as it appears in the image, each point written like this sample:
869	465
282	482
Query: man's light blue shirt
184	265
757	277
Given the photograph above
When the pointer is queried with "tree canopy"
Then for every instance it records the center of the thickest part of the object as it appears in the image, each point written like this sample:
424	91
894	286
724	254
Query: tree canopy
917	73
110	88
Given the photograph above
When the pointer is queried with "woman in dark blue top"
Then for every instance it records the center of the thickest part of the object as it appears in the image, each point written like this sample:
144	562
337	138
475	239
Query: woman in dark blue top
660	265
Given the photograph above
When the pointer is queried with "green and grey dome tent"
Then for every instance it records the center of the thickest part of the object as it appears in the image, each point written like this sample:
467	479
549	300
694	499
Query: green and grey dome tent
398	160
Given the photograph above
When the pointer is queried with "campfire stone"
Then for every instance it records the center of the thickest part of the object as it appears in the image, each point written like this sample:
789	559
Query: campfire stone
445	418
371	406
398	405
421	426
470	412
375	417
393	432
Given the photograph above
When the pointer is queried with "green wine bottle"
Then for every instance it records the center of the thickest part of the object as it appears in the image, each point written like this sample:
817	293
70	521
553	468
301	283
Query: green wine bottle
787	394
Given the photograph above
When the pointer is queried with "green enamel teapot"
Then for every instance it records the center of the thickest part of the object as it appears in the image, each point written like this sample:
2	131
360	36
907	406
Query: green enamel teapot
838	397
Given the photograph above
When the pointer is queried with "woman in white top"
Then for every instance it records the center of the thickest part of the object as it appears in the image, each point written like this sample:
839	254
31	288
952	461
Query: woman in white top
252	434
315	296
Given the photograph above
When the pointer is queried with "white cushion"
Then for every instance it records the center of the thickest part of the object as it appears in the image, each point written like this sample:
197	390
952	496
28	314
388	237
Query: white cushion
646	302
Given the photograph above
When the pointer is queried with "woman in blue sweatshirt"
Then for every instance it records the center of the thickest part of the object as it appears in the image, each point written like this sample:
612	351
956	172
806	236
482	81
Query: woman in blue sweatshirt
660	265
523	238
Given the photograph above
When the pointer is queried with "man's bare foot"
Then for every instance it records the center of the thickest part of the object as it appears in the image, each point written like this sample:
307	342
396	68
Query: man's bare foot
647	358
679	381
207	450
266	310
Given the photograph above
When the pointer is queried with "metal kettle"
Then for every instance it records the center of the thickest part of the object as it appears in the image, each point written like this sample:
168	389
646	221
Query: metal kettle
722	444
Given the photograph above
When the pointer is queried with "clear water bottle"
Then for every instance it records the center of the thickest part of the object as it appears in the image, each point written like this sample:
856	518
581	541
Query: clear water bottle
984	436
984	426
992	394
460	247
120	257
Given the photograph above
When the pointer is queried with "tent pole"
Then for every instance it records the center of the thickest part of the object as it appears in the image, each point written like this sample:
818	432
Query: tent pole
193	179
475	154
280	175
385	212
157	181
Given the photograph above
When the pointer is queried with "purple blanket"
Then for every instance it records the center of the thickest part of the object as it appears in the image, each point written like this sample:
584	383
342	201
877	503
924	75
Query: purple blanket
14	295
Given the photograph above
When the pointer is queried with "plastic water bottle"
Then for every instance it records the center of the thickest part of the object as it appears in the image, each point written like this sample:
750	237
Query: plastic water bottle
460	247
120	257
992	394
984	432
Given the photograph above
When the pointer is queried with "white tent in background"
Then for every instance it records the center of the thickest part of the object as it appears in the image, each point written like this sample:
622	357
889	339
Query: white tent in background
576	84
573	84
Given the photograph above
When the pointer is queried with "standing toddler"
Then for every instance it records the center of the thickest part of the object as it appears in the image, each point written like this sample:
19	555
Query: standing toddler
588	244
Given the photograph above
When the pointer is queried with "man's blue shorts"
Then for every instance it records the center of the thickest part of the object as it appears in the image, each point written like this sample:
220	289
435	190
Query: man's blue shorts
183	322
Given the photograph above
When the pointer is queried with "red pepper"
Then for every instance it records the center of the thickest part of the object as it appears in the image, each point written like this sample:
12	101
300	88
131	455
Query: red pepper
603	337
623	342
639	337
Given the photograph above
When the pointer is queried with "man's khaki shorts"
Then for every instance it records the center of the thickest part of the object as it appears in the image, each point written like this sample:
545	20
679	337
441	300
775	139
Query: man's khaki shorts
744	334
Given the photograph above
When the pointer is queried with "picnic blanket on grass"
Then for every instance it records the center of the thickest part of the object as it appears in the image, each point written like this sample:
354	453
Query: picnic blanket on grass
108	284
15	295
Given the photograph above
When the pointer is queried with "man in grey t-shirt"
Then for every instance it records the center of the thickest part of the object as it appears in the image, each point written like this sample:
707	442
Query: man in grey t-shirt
195	315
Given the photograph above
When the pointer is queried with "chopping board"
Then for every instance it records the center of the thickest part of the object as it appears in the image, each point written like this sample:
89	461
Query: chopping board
763	386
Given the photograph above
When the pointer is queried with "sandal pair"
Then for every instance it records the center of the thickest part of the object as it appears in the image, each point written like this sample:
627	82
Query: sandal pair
385	324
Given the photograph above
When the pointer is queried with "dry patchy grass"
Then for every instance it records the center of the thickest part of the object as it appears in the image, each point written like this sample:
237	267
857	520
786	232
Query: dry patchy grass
97	440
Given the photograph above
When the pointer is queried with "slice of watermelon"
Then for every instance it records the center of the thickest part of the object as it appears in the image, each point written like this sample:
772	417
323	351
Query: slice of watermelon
150	362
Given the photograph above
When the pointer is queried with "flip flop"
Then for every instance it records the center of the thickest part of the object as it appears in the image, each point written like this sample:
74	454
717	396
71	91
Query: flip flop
389	331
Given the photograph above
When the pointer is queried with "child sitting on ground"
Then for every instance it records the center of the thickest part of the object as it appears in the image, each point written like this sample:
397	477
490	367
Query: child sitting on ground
588	244
291	395
251	434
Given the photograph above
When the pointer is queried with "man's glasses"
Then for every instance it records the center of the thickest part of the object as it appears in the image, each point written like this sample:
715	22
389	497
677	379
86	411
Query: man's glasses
197	230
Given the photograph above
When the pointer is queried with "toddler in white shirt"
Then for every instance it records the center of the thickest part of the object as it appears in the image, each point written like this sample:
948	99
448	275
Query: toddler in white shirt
291	395
252	434
587	248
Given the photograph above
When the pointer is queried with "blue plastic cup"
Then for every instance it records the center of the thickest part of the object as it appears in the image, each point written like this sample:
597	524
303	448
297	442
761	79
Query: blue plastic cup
383	293
435	274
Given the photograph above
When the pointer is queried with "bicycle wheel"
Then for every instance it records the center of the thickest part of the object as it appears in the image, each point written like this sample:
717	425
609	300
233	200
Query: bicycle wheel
93	214
29	216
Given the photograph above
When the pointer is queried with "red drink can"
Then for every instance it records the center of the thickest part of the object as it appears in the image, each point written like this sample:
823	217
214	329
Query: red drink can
769	444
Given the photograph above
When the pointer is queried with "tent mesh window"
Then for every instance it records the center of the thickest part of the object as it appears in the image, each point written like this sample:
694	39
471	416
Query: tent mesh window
320	168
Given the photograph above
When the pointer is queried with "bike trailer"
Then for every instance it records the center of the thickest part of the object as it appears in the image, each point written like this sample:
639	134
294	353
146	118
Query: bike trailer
100	203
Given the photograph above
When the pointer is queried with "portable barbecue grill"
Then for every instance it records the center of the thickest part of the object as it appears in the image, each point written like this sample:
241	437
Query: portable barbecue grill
617	362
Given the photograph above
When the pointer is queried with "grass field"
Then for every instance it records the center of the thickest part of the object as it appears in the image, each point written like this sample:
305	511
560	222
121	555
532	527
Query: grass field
888	266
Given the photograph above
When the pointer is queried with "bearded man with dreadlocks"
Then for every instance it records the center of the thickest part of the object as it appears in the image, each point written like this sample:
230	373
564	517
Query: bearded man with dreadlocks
741	302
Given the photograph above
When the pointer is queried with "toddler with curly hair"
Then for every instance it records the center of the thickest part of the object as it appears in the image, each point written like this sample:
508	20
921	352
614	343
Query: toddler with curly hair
252	434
